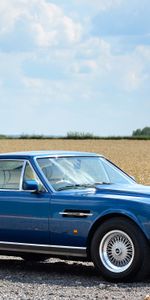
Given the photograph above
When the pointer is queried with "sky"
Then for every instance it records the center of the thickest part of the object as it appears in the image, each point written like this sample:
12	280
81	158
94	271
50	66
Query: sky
74	65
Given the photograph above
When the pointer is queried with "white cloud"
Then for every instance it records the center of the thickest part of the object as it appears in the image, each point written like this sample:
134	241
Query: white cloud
46	21
10	66
92	55
134	69
94	47
10	12
85	67
42	37
100	68
143	51
51	26
32	83
63	65
132	80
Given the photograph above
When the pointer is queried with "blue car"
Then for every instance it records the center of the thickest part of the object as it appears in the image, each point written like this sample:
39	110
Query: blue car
74	205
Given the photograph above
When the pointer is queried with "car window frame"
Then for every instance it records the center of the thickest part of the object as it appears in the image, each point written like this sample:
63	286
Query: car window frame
52	190
20	189
133	181
55	156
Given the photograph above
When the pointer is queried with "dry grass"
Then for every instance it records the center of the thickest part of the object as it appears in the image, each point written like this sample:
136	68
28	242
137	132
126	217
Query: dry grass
132	156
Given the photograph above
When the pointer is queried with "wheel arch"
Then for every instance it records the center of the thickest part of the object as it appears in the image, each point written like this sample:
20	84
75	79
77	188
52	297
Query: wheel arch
109	216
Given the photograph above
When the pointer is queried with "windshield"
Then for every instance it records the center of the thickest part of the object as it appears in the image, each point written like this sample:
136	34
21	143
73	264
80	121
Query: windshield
76	172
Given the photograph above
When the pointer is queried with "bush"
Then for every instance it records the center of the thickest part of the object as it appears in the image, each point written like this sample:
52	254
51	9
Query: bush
79	135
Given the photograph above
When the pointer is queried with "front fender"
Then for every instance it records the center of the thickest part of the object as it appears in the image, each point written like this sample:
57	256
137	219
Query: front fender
111	213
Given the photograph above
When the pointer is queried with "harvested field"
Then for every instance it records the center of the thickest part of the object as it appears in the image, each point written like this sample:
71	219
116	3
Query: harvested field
132	156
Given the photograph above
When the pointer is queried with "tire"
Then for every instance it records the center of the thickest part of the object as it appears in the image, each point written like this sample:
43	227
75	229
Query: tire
120	251
34	257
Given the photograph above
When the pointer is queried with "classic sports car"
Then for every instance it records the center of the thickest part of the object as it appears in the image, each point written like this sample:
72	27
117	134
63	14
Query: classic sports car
74	205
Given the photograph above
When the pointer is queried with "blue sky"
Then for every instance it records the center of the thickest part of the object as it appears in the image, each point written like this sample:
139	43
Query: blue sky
74	65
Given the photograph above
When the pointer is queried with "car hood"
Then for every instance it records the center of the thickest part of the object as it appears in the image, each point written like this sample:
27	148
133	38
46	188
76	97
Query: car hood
111	190
135	190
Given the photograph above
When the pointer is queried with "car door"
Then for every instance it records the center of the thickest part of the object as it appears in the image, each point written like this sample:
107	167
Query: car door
71	211
71	218
23	214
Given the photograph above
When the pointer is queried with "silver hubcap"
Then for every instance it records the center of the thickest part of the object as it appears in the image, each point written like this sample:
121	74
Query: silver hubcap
116	251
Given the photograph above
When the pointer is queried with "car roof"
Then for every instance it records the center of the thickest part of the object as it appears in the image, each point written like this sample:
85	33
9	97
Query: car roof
29	154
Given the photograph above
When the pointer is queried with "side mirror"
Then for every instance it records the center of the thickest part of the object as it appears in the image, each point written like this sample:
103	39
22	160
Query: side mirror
31	185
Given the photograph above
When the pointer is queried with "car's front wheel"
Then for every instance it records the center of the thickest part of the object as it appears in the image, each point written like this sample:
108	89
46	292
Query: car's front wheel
120	251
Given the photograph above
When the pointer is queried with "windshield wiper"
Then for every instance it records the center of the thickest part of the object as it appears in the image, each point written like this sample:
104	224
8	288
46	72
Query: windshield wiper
88	185
73	186
102	182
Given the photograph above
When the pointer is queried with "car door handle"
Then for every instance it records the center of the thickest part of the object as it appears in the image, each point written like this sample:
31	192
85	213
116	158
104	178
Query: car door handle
76	213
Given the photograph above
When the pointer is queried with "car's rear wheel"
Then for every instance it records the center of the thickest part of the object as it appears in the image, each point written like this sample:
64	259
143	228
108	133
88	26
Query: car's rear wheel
120	250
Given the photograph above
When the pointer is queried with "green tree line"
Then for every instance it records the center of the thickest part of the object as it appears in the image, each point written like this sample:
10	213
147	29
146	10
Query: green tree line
138	134
142	132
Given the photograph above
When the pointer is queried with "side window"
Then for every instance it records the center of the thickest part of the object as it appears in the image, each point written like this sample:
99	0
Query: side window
10	174
29	174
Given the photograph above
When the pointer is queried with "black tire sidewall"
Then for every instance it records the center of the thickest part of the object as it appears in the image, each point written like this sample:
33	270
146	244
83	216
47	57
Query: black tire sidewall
139	243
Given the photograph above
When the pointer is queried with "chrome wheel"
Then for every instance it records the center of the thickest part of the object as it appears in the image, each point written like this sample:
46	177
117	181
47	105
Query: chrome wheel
116	251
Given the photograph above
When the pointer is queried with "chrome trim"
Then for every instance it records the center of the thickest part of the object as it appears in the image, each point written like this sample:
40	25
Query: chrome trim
27	161
13	159
22	175
10	159
43	249
36	157
76	214
42	173
9	190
